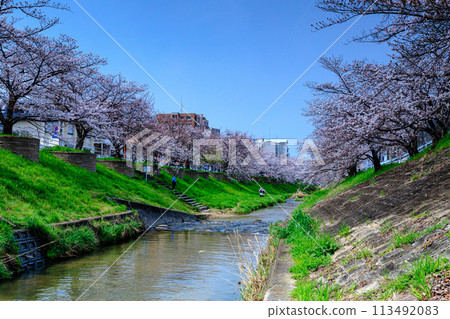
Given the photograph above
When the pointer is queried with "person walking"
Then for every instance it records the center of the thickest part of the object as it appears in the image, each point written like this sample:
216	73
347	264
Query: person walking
174	182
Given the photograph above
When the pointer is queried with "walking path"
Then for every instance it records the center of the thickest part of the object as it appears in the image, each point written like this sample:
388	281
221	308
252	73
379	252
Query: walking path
281	282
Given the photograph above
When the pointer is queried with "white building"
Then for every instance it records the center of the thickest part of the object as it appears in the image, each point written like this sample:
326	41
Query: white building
279	147
54	133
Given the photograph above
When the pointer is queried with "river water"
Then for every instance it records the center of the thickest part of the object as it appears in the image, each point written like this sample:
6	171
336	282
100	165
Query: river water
189	261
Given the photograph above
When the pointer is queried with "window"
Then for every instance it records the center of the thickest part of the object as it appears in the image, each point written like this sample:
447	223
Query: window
188	117
70	129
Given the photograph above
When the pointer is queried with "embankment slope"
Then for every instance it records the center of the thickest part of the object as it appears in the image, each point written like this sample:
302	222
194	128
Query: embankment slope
394	219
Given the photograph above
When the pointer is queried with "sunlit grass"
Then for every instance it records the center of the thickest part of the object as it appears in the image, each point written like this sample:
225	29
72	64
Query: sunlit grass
238	197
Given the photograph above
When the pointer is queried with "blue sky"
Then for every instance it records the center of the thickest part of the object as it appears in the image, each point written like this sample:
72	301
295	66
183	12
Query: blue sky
227	59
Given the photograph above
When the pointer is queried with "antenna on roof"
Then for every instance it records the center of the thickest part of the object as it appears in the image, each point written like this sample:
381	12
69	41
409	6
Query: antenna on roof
181	105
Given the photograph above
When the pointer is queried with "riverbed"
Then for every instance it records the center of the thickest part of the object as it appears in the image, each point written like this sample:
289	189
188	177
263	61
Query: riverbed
187	261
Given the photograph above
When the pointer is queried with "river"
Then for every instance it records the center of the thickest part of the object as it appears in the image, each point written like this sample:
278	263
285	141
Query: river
189	261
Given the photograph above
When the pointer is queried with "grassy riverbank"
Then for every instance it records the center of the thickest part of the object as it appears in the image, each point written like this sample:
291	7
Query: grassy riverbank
231	196
333	221
35	195
53	191
66	242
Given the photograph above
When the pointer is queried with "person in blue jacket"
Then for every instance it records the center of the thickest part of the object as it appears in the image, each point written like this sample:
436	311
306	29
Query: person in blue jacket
174	182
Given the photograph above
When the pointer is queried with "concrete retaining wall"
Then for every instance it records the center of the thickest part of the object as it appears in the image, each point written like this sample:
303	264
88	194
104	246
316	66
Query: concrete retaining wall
218	176
261	179
178	173
84	160
191	174
205	175
24	146
118	166
153	215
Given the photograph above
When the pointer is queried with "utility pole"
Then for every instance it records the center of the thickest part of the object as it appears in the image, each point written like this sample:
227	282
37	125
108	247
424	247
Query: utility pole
181	105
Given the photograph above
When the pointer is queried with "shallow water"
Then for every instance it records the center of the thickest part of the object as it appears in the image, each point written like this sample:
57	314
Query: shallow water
195	261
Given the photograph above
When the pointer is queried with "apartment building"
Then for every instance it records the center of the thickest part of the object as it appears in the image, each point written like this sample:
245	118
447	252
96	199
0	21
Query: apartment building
191	119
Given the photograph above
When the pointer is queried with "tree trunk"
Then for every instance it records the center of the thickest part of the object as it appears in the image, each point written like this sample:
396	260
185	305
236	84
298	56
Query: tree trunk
412	147
117	148
8	122
436	131
352	170
7	128
375	160
81	136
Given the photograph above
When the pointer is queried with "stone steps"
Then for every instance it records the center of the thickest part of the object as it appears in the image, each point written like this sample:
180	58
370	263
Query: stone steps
188	200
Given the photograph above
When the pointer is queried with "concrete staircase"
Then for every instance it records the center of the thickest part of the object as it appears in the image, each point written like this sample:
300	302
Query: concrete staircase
188	200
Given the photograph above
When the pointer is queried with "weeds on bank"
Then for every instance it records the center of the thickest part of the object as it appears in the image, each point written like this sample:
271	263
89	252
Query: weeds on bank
110	232
7	243
345	230
308	290
386	226
8	247
408	236
362	253
73	241
417	280
310	247
254	268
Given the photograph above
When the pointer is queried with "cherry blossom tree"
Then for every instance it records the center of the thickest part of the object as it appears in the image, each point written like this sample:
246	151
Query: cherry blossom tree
28	66
405	19
131	110
13	11
373	107
181	141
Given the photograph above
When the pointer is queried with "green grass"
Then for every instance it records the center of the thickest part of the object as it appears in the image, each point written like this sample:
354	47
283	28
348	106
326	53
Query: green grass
345	230
302	238
63	149
408	236
307	290
416	280
386	226
110	232
111	159
364	253
7	247
238	197
54	191
72	241
310	247
7	244
443	144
